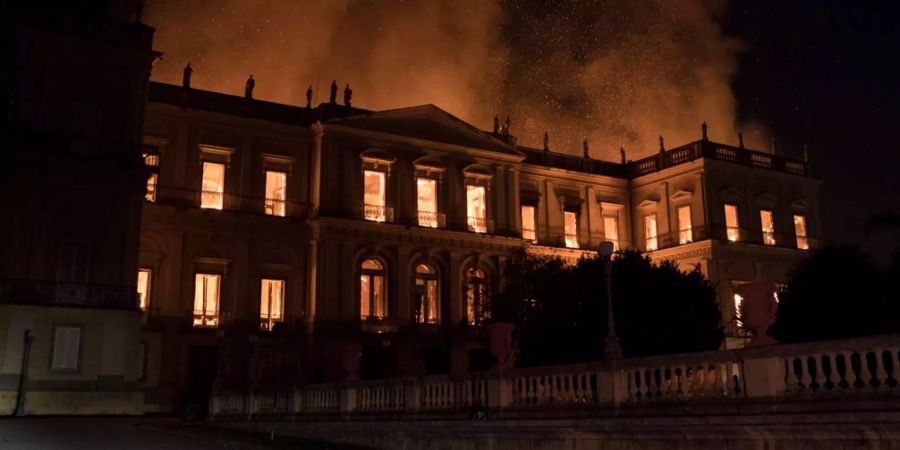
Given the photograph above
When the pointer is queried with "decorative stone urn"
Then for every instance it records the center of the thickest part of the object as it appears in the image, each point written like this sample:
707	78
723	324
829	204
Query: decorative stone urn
501	344
757	311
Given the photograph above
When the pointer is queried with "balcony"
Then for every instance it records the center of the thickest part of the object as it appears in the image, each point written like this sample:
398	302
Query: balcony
268	323
378	213
721	152
480	225
431	219
205	319
59	293
212	199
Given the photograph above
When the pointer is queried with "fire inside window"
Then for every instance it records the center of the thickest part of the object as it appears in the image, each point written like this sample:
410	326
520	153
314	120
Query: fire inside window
372	290
151	160
732	225
476	297
276	193
374	196
143	288
685	231
650	232
767	225
611	230
206	300
571	228
800	232
426	193
427	307
271	303
213	186
529	231
476	208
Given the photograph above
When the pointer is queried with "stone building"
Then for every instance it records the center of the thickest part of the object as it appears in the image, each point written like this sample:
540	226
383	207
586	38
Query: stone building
284	244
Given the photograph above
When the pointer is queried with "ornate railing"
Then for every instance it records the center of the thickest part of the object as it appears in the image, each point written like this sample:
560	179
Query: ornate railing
713	150
431	219
480	224
378	213
851	369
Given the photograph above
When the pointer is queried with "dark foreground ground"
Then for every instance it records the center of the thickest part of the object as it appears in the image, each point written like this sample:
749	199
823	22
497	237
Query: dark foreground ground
133	433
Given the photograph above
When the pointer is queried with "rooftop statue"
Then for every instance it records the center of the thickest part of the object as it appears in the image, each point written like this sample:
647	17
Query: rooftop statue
248	89
546	141
496	124
309	94
186	76
662	145
622	154
584	148
740	139
703	129
347	94
333	98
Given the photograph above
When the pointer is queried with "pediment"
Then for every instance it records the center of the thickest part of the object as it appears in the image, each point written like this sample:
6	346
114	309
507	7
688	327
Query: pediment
427	122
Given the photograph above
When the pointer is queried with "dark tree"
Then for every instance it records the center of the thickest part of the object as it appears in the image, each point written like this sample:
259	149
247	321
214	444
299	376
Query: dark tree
560	311
835	293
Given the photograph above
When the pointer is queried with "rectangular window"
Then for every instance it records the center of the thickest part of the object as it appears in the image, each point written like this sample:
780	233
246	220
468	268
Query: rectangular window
476	208
767	223
151	160
685	233
529	231
212	193
374	195
206	300
800	232
143	288
426	195
570	223
611	230
66	348
276	193
738	301
650	232
271	303
732	225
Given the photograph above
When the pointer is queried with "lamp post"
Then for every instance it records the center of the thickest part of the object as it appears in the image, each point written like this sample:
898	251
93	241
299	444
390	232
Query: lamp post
611	345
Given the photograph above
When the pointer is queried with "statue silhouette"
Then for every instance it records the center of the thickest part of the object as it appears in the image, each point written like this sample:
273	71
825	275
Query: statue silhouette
703	130
622	154
546	141
186	76
662	145
347	94
584	148
309	94
496	124
248	89
740	139
333	99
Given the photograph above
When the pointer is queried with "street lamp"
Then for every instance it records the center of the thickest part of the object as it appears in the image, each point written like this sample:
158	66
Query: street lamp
611	346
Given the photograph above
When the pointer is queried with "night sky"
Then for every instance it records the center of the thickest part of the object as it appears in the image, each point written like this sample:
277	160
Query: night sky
824	74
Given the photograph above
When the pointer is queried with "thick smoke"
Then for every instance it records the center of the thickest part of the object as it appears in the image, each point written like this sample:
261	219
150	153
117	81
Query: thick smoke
618	73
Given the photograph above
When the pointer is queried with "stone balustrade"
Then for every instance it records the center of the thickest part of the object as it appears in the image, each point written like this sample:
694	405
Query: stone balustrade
854	367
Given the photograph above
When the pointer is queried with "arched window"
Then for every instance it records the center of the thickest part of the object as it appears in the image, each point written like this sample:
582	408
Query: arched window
476	292
427	307
372	290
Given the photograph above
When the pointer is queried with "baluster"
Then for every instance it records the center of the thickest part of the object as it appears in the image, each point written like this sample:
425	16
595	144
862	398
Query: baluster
718	383
729	389
881	371
805	375
851	375
834	378
864	371
792	384
653	385
895	370
630	386
700	376
820	373
642	384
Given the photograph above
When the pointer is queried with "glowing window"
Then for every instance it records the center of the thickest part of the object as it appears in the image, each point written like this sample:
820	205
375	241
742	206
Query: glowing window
374	195
151	160
276	193
529	231
66	348
143	288
206	300
738	301
570	223
372	290
767	223
213	188
732	225
476	297
426	195
685	232
271	303
611	230
476	208
800	232
650	232
427	306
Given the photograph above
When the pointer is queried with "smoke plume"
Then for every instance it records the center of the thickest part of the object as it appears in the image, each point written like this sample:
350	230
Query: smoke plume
617	73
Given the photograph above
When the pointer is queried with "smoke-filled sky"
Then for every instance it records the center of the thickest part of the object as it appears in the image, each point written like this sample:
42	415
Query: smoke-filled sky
618	73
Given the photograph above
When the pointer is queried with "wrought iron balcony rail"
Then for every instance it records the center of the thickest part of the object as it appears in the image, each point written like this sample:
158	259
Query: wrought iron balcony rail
61	293
179	196
480	224
378	213
431	219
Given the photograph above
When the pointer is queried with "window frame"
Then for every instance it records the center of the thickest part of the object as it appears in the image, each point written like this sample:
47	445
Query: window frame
525	231
768	236
570	239
272	205
432	276
651	242
801	241
144	302
480	305
732	233
371	274
79	353
685	234
205	321
429	219
267	323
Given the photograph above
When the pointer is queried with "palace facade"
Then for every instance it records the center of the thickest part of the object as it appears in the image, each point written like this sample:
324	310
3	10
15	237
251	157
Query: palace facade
165	241
320	244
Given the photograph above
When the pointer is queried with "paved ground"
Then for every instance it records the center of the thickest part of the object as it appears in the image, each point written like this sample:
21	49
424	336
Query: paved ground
134	433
